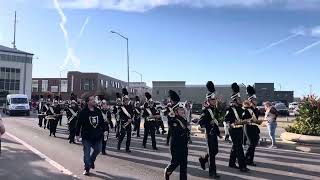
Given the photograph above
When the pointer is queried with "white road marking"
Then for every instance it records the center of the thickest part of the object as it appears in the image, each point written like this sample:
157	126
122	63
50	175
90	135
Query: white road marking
46	158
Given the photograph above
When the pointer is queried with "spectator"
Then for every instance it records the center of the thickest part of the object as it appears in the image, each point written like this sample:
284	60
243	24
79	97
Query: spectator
91	125
271	118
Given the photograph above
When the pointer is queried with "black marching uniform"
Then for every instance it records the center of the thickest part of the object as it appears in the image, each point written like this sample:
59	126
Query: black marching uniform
166	113
233	118
41	112
208	120
178	143
137	116
72	116
125	114
108	125
149	124
251	130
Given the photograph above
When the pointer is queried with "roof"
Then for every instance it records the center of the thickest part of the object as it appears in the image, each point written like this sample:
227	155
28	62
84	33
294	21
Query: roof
12	50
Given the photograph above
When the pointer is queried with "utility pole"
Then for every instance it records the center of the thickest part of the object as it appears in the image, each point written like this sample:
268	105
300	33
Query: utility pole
14	30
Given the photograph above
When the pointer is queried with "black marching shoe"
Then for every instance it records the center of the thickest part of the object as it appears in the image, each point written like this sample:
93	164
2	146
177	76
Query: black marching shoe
144	146
244	170
166	174
118	147
202	163
252	164
128	150
234	166
155	148
214	176
104	153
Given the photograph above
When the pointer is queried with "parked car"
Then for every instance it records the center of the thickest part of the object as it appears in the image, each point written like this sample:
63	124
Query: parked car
293	105
282	109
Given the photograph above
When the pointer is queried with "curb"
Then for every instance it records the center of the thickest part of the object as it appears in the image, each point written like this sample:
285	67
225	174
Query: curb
300	138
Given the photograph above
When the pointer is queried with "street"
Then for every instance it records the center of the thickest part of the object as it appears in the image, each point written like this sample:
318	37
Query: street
55	154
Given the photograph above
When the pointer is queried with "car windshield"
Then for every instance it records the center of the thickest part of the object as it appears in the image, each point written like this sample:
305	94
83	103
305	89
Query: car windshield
19	101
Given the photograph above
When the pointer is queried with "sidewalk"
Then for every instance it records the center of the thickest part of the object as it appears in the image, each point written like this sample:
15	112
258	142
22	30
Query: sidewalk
17	162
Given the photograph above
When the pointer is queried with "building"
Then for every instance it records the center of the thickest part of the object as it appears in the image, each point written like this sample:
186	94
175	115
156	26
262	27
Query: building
193	93
81	84
196	93
140	87
15	71
266	92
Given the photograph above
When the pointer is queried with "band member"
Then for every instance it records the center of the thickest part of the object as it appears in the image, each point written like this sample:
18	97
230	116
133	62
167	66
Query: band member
115	112
42	108
137	116
72	116
54	122
107	123
179	139
50	118
166	112
251	130
125	119
209	121
150	115
233	118
159	124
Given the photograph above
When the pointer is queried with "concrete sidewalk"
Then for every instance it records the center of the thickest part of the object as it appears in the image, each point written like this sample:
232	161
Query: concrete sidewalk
16	162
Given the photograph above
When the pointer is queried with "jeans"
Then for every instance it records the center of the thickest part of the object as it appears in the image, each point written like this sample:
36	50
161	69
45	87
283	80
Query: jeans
90	156
272	131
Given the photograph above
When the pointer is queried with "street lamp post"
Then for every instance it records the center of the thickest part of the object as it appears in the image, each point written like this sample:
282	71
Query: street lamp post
114	32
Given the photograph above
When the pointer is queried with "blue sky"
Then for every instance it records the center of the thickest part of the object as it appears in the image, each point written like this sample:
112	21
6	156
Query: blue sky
242	41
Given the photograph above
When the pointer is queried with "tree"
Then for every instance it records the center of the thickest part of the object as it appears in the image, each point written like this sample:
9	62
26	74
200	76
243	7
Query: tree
308	120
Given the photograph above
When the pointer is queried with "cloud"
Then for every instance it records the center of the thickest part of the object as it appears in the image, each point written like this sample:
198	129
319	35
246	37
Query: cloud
84	27
71	56
307	48
145	5
315	31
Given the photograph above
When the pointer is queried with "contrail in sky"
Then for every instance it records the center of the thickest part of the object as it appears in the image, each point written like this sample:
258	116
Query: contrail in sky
84	27
70	51
307	48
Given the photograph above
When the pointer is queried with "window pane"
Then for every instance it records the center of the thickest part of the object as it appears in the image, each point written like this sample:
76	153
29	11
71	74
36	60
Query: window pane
17	85
7	84
12	83
1	84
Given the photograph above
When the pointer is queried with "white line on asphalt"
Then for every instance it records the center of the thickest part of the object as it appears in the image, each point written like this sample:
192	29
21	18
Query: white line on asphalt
46	158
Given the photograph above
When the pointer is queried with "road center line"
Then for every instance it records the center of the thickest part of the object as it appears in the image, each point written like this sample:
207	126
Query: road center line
46	158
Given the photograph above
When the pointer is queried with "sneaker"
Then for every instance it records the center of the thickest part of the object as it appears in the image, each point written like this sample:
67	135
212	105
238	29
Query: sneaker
128	151
86	172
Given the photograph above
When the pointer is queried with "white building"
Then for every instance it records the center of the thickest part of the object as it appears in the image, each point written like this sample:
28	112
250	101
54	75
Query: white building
15	71
141	88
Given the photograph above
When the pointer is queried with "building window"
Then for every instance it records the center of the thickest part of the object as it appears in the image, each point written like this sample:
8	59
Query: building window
54	89
179	92
101	83
9	79
157	92
64	86
35	85
44	86
86	85
106	84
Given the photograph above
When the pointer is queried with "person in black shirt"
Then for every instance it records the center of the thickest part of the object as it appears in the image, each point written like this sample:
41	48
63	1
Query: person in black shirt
55	120
125	120
251	130
150	115
209	121
92	127
107	123
72	116
115	112
233	118
179	138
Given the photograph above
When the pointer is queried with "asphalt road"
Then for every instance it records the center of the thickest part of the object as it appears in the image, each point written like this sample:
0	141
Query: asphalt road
141	164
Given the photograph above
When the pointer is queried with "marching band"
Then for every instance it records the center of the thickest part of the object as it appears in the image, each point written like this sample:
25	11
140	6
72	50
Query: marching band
240	121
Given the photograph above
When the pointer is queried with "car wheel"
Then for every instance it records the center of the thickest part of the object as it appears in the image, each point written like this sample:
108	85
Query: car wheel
28	113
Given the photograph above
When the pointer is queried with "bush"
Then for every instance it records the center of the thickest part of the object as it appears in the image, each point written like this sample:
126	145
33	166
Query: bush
308	120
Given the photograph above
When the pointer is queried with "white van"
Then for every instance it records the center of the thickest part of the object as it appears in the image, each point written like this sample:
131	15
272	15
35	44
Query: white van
17	104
